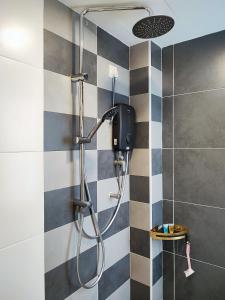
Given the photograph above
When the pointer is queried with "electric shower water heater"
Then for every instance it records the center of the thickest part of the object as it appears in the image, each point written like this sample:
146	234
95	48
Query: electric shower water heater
123	135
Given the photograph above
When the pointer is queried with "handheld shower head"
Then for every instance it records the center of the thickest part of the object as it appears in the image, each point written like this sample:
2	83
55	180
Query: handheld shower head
153	26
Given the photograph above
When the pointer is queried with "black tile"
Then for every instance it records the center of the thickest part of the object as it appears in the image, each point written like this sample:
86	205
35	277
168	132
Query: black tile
157	268
112	49
167	70
168	276
59	131
140	242
139	188
105	164
199	64
156	161
121	221
156	108
60	55
139	291
157	213
114	277
90	66
141	135
167	212
167	161
206	225
156	56
105	100
63	281
199	176
139	81
206	284
199	120
59	208
167	124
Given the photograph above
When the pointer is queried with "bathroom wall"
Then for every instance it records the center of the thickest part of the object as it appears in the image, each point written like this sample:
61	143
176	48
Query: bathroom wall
193	164
61	47
21	150
146	171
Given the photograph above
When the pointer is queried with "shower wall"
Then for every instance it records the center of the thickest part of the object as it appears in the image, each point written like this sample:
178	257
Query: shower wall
61	59
194	164
146	171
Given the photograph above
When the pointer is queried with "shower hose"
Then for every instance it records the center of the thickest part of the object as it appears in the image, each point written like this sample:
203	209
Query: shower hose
121	181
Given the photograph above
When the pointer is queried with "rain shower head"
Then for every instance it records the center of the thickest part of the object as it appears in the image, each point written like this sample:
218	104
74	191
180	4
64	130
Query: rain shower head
153	26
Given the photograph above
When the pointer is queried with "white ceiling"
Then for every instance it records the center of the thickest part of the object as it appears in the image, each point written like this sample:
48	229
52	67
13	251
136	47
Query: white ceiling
193	18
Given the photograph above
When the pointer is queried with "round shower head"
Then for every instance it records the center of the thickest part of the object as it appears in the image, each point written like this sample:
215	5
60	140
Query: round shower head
153	26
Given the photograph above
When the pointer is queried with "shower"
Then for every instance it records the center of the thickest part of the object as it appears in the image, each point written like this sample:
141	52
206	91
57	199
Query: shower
122	118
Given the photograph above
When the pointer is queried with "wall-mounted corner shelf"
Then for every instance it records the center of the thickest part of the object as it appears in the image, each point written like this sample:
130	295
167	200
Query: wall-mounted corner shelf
180	232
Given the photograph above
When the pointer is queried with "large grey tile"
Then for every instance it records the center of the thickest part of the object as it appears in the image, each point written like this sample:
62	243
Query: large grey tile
157	268
156	161
168	276
199	120
139	188
121	221
140	215
60	131
156	108
203	223
105	164
63	281
139	163
167	71
141	106
167	161
108	283
140	242
58	18
140	268
139	291
157	213
105	100
156	56
141	135
199	176
167	211
139	55
203	61
59	207
167	130
139	81
112	49
90	66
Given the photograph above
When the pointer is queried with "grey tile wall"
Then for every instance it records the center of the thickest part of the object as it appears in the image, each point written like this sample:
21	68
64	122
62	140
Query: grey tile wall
139	81
139	291
61	123
194	113
139	188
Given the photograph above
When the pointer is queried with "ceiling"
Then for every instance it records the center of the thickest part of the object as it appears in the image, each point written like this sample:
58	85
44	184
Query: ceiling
193	18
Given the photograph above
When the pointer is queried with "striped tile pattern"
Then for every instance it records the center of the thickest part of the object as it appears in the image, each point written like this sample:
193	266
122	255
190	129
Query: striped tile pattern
61	48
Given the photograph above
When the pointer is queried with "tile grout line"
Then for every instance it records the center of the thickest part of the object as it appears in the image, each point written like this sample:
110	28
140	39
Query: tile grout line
190	93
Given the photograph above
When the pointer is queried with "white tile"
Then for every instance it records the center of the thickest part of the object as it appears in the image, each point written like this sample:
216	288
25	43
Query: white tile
62	168
157	188
139	164
22	270
21	31
61	243
57	93
141	106
157	290
140	268
58	18
156	133
104	138
106	186
90	33
21	194
105	81
122	293
120	244
83	294
90	100
156	82
21	107
156	248
140	215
